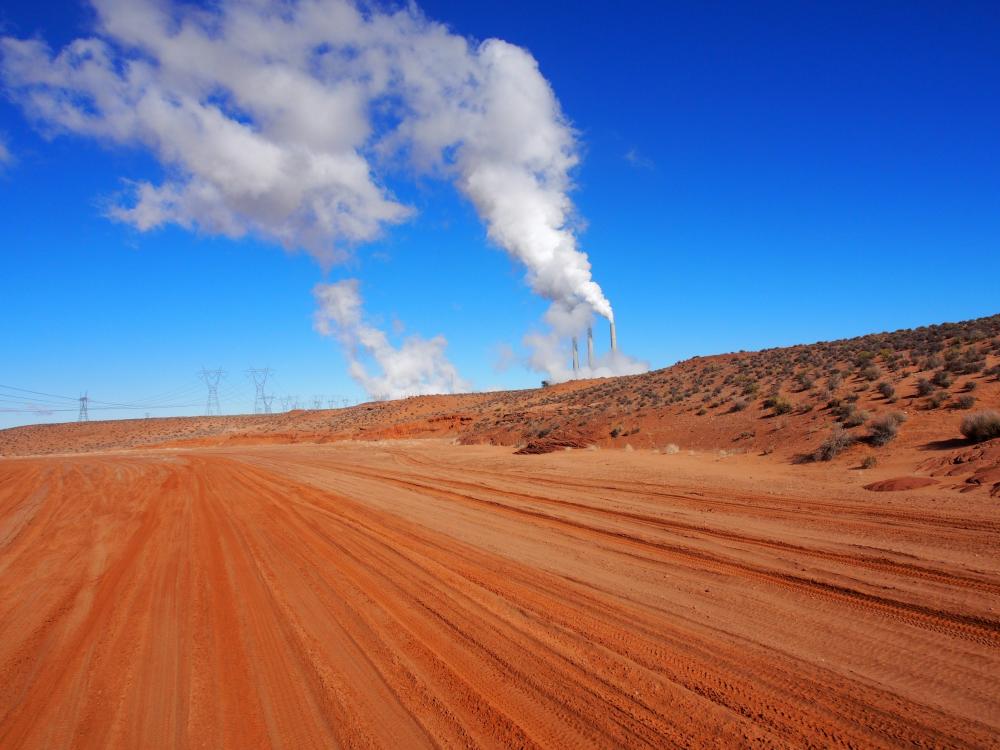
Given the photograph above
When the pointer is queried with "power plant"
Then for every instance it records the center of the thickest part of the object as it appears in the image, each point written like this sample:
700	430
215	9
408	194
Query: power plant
590	348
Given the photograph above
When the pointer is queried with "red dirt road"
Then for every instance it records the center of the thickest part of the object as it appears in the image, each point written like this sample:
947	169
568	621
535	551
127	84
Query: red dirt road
418	594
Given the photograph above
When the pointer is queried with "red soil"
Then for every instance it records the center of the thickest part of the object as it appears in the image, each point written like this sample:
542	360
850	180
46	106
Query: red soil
416	593
899	484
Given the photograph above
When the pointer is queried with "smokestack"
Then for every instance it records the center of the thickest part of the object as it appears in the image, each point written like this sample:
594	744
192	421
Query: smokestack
614	338
590	347
576	356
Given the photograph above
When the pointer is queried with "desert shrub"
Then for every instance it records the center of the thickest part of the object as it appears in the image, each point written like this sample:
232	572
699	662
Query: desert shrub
702	412
888	390
942	378
739	404
616	431
965	402
870	462
855	418
936	399
884	429
670	449
983	425
970	385
924	387
833	382
778	404
838	440
871	372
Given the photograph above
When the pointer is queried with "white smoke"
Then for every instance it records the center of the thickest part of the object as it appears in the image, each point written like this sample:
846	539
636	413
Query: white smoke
417	367
552	354
276	118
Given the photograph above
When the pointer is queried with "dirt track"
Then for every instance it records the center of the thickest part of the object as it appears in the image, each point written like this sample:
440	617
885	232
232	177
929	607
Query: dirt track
418	594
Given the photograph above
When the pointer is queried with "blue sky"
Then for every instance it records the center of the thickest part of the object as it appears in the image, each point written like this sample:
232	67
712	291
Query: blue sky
753	175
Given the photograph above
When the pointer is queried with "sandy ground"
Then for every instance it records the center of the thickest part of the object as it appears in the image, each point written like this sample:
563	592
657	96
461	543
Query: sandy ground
415	593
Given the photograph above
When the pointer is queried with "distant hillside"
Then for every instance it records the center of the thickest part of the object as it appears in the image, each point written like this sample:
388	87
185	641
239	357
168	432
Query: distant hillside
781	402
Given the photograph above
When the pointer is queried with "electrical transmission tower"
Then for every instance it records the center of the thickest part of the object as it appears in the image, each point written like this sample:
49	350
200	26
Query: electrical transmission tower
261	405
211	379
84	415
267	403
317	402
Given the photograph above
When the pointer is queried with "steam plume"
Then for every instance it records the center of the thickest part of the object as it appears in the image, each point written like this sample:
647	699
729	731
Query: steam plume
418	367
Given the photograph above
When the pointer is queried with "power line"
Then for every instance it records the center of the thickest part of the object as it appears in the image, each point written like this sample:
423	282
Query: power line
259	375
211	379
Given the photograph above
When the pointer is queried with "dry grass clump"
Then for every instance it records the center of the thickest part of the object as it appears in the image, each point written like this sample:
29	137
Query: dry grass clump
983	425
883	430
838	441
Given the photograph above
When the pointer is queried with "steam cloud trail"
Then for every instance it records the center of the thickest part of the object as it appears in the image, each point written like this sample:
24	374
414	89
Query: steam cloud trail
418	367
273	119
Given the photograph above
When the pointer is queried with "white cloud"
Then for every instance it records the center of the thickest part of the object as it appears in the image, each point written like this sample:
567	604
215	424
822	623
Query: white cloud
637	160
5	155
417	367
283	120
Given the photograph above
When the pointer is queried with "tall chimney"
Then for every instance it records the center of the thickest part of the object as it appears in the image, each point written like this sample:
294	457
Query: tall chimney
590	347
614	338
576	356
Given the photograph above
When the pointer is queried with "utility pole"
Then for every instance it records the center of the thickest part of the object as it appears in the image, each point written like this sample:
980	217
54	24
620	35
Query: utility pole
259	376
84	414
211	379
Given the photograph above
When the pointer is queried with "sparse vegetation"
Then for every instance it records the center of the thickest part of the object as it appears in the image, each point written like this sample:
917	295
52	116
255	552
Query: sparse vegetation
888	390
936	400
983	425
943	379
836	443
870	462
965	402
871	372
883	430
778	404
855	417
